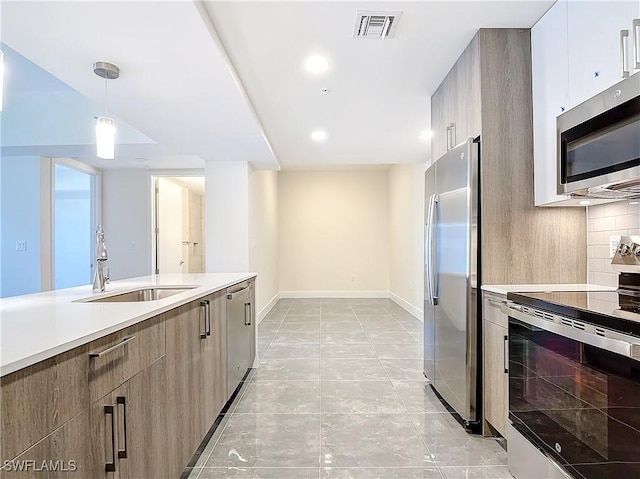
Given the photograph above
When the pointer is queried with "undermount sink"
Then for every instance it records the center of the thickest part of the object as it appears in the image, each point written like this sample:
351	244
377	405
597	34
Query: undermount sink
143	294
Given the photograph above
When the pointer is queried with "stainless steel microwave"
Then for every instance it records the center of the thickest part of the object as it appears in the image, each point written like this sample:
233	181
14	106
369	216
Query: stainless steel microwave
599	144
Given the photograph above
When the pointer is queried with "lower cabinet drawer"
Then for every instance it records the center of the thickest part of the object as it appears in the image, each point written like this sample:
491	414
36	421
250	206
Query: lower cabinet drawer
39	399
114	359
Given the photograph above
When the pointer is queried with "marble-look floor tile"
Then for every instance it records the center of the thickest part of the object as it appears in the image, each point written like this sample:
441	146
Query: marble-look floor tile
268	440
380	473
340	325
418	396
346	336
450	445
404	369
264	329
360	397
299	327
475	472
192	472
259	473
281	397
297	337
288	370
372	440
386	337
399	351
348	350
293	351
412	325
352	369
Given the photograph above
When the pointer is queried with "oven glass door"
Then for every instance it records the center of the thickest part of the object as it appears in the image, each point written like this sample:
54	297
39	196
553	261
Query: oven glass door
602	145
578	403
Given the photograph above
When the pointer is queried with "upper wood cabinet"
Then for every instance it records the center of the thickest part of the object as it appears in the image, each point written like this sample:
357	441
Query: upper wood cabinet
455	112
575	50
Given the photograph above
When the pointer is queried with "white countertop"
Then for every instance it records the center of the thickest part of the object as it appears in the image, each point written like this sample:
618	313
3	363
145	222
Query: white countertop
38	326
535	288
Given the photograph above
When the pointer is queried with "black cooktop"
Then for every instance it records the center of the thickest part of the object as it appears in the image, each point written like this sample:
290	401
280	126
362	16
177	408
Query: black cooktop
618	310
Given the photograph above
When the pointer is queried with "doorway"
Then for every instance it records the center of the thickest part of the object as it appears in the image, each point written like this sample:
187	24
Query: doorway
178	224
74	218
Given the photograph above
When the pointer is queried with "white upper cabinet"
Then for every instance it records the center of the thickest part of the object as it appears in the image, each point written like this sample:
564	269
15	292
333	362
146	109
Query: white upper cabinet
594	45
550	59
575	50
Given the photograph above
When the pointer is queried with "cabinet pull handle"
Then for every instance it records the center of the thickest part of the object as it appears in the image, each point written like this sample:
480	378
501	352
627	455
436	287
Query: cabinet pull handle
203	313
111	466
448	136
506	354
112	348
453	135
208	317
636	47
247	316
122	400
495	302
623	53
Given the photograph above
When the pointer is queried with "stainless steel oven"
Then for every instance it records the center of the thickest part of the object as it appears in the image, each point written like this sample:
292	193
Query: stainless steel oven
599	144
574	397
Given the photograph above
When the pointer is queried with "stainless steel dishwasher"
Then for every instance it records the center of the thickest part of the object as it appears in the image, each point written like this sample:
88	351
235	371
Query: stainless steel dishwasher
240	333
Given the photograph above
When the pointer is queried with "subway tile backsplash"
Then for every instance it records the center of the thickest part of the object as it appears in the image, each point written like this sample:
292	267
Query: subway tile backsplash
603	221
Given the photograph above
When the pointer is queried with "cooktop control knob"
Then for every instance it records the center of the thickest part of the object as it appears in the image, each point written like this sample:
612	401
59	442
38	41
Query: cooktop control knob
624	249
636	249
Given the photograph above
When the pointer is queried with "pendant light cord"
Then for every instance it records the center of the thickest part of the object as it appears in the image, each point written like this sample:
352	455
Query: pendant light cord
106	83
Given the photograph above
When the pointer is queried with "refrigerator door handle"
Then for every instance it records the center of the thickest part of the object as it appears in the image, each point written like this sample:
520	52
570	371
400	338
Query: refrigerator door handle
430	249
427	250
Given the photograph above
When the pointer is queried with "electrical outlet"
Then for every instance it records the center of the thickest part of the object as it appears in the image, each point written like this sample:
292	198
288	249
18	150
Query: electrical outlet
613	245
21	245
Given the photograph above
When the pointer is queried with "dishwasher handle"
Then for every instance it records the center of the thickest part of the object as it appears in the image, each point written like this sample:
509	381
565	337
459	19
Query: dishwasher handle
238	292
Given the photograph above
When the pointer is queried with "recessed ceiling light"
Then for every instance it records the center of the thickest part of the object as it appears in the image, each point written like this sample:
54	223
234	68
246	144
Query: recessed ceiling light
584	202
319	135
426	135
316	64
634	202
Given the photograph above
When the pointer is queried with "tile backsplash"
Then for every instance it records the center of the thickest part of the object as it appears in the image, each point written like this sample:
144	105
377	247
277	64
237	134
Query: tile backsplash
603	221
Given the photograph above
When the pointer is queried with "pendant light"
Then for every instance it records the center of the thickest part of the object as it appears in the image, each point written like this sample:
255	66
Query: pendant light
105	126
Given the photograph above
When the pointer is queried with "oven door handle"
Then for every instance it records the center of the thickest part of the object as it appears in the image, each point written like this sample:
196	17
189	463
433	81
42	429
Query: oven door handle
629	347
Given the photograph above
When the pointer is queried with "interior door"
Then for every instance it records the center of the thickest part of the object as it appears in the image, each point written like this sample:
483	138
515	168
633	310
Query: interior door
169	220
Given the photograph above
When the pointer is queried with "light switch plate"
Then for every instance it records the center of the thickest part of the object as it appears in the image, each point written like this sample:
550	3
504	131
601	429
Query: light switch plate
613	245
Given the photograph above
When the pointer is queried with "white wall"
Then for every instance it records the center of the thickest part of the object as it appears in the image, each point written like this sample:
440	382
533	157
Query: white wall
263	236
333	233
227	210
20	221
126	213
406	233
603	221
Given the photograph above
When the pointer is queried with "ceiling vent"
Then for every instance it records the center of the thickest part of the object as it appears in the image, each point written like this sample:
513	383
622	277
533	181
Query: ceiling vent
375	24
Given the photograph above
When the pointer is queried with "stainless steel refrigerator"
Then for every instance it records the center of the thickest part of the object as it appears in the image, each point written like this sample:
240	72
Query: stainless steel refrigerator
451	329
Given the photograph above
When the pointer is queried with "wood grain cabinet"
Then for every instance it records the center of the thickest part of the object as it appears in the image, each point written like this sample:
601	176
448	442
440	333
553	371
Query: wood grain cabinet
128	428
196	374
134	404
495	359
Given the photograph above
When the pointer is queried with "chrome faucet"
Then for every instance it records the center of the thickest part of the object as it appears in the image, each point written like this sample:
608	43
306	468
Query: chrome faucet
101	276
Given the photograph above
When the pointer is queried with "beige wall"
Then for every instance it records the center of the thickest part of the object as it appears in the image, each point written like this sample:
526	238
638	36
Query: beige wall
406	205
607	220
263	234
334	232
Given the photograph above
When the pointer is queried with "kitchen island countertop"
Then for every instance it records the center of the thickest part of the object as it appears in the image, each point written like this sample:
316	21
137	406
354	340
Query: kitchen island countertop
35	327
534	288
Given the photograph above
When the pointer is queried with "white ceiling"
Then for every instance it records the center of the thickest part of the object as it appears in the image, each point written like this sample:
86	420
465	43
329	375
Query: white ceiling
178	87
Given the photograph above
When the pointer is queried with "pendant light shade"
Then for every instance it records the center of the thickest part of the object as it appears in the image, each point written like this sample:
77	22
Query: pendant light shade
105	138
105	126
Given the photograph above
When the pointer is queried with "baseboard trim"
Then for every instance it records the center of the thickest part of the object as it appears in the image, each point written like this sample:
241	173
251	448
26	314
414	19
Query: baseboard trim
269	306
333	294
418	313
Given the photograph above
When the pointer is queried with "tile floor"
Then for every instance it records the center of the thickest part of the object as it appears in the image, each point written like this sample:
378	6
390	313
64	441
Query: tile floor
339	393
